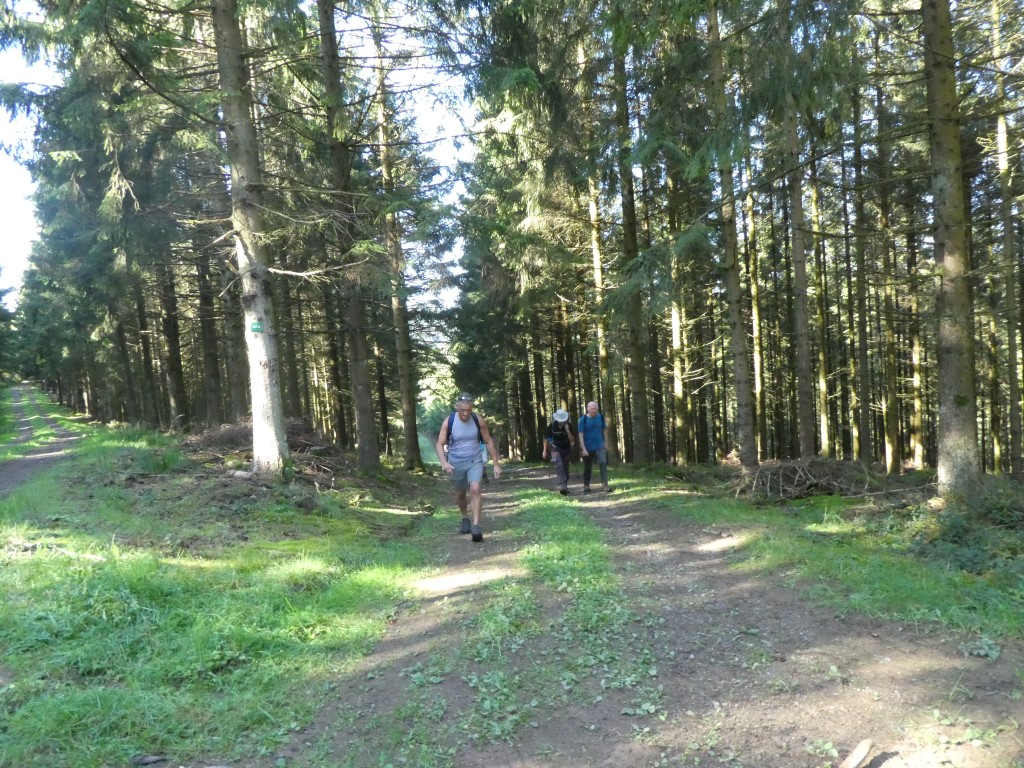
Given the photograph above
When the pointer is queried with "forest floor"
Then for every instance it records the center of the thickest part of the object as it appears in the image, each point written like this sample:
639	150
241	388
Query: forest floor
749	672
743	669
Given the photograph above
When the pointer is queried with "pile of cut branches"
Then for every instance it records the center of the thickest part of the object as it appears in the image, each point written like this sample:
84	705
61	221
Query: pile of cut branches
807	477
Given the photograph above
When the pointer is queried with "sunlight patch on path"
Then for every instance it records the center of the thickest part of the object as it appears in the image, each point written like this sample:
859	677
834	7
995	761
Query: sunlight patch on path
723	544
452	582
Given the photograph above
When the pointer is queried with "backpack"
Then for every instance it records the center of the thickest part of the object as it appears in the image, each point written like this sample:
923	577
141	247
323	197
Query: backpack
476	420
561	435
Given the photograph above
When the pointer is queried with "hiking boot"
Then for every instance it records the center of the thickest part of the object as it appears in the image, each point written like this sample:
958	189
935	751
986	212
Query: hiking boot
586	489
608	489
478	533
464	528
564	491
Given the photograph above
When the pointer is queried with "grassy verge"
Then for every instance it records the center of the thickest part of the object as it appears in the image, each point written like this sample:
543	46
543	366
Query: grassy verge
152	608
7	427
859	558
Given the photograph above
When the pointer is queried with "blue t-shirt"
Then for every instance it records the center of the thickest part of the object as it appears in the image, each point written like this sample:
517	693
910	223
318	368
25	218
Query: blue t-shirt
591	431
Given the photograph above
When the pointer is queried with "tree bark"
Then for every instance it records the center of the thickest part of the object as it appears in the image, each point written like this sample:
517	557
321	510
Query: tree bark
861	377
801	330
396	259
367	445
270	455
959	458
606	399
212	390
636	361
170	325
1009	257
890	407
746	436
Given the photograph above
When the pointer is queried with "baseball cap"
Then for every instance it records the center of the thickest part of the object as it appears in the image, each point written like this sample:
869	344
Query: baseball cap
561	415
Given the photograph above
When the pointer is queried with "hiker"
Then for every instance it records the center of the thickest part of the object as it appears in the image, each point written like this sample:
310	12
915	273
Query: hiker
593	433
559	439
458	448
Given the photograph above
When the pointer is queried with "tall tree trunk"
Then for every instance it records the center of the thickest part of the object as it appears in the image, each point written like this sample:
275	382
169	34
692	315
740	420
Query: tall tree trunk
680	434
212	392
382	398
801	330
821	315
917	439
335	356
234	346
149	384
746	436
995	391
1009	252
289	319
757	338
657	392
367	446
170	326
959	459
604	362
636	363
861	376
890	408
270	455
129	399
396	259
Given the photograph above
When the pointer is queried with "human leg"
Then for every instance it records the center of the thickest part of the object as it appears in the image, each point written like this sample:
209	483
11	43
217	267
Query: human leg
476	507
462	500
588	468
475	476
562	466
461	484
602	465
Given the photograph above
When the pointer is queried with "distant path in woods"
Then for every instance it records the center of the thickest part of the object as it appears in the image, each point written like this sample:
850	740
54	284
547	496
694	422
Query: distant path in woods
16	470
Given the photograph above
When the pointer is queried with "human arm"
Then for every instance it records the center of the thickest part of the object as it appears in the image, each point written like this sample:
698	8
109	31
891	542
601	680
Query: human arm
580	430
442	441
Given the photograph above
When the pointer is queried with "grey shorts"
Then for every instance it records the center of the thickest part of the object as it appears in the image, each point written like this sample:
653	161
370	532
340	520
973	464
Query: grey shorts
465	474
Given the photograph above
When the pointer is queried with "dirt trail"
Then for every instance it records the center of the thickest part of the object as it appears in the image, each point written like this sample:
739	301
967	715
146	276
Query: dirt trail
749	672
16	470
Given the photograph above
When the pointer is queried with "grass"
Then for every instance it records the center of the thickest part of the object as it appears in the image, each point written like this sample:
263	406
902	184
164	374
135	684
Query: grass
148	612
154	608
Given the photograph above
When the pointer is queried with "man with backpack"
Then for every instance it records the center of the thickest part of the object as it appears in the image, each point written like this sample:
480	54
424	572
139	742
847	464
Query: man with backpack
458	449
593	439
559	438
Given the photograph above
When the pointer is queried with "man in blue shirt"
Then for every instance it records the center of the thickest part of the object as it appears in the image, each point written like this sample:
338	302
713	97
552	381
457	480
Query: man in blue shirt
593	433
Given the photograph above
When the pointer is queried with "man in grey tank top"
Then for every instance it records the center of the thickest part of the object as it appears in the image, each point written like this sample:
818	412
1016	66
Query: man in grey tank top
458	449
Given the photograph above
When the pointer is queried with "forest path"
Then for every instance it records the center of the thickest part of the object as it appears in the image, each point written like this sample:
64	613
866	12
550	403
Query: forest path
14	471
746	671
